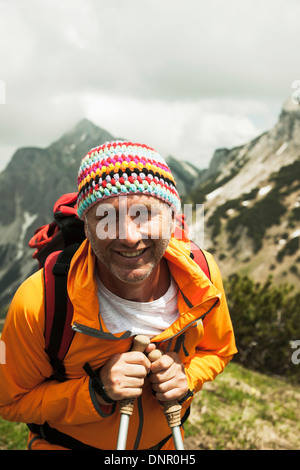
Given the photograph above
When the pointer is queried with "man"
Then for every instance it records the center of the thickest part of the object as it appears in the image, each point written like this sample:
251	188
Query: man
130	276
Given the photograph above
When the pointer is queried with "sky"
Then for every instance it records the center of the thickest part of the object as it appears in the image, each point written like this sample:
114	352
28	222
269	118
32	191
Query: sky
183	76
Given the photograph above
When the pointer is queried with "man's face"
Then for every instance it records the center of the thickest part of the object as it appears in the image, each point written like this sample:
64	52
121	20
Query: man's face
129	235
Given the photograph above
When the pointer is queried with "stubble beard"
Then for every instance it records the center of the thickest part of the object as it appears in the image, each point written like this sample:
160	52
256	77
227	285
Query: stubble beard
124	275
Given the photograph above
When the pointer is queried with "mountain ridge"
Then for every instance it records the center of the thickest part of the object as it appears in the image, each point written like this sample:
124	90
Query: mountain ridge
41	176
251	200
237	186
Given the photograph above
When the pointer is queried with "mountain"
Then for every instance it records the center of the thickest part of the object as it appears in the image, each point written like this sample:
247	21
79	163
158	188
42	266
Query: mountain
251	198
186	175
250	193
29	187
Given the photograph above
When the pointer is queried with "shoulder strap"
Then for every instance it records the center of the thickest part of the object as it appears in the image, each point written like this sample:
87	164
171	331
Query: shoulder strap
58	309
199	257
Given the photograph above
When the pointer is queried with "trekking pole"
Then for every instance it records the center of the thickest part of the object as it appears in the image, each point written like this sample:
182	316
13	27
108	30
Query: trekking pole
140	342
172	410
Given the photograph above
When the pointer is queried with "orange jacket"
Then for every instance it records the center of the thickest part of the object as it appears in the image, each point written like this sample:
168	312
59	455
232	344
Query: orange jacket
205	347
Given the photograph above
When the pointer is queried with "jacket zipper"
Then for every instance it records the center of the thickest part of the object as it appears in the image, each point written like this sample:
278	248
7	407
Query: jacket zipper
107	335
101	334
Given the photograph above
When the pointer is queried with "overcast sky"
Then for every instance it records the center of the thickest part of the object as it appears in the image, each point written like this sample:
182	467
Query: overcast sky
183	76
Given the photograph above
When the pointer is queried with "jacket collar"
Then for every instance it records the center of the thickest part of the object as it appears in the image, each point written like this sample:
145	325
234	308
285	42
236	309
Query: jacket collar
198	294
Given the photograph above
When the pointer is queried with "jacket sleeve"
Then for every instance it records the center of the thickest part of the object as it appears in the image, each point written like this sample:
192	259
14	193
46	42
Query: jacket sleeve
217	345
25	393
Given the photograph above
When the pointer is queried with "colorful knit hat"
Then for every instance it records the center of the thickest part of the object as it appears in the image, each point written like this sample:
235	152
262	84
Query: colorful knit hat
120	168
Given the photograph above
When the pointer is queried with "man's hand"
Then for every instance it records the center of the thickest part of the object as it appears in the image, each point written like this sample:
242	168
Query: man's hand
168	377
123	375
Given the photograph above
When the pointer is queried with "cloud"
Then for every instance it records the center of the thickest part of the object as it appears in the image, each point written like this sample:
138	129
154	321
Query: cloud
164	63
165	50
189	130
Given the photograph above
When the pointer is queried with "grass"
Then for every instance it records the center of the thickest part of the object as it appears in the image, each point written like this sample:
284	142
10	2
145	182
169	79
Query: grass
245	410
240	410
13	436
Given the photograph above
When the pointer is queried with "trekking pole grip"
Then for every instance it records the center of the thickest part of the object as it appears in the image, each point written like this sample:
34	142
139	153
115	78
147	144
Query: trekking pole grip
172	409
140	342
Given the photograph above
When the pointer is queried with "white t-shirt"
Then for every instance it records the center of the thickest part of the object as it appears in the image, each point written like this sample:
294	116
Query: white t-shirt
146	318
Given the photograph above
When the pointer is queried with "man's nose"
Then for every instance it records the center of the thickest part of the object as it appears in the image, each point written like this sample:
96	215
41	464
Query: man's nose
129	232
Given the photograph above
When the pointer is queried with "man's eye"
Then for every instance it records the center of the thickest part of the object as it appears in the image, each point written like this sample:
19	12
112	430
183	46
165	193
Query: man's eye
102	216
106	217
155	212
141	216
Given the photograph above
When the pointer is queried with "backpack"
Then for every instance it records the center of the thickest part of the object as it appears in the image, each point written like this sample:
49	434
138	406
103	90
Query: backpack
55	245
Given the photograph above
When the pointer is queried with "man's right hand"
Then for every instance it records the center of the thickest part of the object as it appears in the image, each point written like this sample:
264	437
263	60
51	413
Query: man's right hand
123	375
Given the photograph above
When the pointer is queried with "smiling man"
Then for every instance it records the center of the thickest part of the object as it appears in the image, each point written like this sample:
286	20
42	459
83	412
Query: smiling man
131	275
139	229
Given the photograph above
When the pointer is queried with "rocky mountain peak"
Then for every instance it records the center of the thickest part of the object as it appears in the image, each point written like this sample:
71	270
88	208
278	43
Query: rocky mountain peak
251	197
290	106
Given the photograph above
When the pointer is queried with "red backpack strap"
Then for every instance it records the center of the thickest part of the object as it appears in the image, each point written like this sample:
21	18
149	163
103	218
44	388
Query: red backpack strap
66	204
66	229
199	257
196	253
58	309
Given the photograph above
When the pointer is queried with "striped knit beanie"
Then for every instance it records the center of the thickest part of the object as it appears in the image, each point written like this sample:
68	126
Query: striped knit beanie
121	168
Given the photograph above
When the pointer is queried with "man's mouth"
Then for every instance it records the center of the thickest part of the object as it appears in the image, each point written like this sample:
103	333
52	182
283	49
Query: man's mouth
131	254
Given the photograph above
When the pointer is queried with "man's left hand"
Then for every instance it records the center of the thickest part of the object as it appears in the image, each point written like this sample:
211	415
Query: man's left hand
168	377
